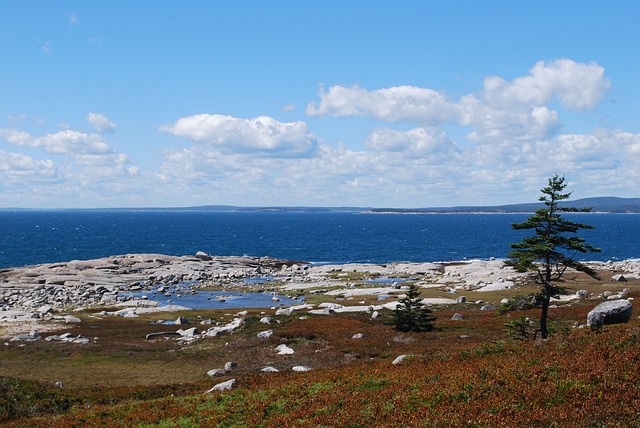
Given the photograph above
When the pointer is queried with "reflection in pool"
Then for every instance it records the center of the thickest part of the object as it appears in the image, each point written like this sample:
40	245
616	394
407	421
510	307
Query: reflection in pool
184	295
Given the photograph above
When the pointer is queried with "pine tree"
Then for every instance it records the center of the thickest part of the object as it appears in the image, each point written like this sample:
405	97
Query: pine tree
549	253
411	314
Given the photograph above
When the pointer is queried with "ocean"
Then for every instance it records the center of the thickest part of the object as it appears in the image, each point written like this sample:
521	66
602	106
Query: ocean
34	237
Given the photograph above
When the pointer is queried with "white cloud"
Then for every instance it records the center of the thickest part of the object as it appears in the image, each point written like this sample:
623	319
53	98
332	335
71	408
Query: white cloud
101	123
515	142
260	136
517	122
395	104
73	19
518	110
431	143
577	86
20	169
67	142
83	169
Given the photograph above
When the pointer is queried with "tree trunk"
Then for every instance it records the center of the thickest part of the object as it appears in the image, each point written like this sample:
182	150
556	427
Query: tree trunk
546	297
543	317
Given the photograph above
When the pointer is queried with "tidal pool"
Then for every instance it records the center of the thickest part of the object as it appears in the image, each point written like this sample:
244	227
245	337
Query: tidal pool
184	295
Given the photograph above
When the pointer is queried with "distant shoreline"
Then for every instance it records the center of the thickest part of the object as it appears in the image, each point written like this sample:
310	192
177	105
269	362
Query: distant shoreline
598	205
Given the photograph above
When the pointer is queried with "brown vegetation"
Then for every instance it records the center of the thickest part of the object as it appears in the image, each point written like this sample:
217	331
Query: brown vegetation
465	373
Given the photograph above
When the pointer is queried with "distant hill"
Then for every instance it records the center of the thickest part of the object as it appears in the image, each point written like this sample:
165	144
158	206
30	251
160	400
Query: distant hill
599	205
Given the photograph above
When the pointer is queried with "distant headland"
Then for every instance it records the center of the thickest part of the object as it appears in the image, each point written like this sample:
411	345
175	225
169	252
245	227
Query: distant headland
608	204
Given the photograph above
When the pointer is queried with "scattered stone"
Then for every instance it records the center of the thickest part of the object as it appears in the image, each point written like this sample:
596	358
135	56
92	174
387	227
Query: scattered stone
284	350
457	317
619	278
69	319
610	312
190	332
215	372
230	365
357	336
301	369
461	299
201	255
181	321
269	369
265	334
34	335
228	328
223	386
582	293
375	315
399	359
265	320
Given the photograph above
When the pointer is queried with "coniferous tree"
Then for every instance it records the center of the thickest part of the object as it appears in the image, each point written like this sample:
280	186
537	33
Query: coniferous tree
549	253
411	314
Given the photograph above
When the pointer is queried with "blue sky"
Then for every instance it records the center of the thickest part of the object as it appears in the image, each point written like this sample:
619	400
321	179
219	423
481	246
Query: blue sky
333	103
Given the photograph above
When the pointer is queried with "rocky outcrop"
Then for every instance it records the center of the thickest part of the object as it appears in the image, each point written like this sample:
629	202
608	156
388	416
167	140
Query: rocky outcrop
105	282
610	312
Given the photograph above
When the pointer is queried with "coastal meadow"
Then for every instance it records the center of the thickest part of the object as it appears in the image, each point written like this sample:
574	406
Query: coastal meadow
466	373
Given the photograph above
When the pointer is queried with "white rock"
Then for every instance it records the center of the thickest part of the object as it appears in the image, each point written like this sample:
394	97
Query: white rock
284	350
284	311
69	319
330	305
357	336
223	386
301	369
230	365
269	369
190	332
227	328
181	321
215	372
399	359
265	334
265	320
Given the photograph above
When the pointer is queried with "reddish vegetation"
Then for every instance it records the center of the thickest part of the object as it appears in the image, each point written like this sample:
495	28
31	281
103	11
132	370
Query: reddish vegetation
578	378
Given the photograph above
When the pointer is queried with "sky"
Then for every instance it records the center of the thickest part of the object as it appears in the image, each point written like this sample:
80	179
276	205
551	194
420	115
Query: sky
402	104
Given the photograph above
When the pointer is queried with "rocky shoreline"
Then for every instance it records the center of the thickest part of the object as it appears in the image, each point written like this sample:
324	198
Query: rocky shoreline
33	293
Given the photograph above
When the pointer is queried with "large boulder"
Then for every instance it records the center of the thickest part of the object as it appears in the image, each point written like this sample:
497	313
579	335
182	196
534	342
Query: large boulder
610	312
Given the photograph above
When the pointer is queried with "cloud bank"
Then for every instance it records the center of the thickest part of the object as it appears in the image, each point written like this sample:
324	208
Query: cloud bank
422	148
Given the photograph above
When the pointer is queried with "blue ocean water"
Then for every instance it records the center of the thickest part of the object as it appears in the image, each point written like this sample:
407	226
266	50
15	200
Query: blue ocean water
33	237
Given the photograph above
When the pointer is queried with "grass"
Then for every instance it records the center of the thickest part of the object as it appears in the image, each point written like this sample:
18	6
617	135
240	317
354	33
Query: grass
466	373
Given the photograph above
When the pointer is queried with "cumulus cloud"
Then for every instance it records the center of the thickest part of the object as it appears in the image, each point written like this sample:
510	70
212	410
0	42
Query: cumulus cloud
516	122
18	167
262	135
101	123
67	142
395	104
518	110
429	142
83	168
576	86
